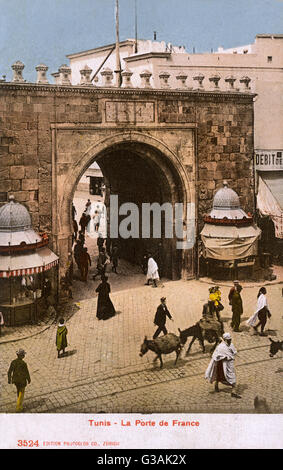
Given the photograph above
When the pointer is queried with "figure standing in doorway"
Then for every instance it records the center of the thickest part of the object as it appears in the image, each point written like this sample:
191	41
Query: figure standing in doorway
46	289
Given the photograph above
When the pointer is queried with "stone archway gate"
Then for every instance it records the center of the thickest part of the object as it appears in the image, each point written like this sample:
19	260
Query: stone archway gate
50	134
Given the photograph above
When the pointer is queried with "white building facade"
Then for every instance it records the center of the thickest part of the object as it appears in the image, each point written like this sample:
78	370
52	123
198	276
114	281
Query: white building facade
256	67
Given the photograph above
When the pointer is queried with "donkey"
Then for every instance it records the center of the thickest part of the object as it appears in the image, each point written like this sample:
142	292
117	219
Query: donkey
201	334
163	345
275	347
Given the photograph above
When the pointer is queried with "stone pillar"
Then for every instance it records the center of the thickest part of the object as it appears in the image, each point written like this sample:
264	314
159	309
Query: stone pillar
163	77
181	81
85	76
145	79
64	75
127	78
231	83
245	82
18	68
56	76
41	70
215	79
199	78
107	77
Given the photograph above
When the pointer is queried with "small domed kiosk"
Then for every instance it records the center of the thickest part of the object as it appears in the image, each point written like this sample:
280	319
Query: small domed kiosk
229	237
28	268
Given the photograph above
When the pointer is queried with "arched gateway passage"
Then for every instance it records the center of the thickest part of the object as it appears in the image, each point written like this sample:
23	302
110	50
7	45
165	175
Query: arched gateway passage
138	169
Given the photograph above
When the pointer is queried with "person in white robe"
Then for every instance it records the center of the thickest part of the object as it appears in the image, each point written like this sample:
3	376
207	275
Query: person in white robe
91	227
221	367
261	313
93	224
96	219
152	271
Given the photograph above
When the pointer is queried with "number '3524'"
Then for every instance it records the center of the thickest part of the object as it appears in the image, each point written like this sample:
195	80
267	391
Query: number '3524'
24	443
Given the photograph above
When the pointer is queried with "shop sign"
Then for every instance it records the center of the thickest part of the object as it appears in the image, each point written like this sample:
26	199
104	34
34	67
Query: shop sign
266	160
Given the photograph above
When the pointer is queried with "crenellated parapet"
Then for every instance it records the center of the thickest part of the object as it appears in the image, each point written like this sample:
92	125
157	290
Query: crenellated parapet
163	80
18	68
41	70
107	77
145	77
65	75
86	75
127	78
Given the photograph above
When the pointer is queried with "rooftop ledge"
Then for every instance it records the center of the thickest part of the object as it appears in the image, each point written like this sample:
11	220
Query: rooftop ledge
123	90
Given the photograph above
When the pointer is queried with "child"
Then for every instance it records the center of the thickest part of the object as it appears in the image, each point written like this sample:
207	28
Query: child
61	337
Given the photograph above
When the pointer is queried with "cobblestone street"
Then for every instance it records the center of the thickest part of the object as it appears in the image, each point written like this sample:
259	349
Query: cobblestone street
102	370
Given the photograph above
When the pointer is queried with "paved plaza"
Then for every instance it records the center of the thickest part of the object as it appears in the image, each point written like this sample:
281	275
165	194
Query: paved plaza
102	371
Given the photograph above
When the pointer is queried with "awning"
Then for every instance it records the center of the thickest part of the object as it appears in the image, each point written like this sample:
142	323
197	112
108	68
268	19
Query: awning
230	213
226	231
229	243
270	198
29	263
28	237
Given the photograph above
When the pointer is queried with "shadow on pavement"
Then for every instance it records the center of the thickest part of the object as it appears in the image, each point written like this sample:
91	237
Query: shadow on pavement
169	364
271	332
244	328
69	353
198	354
111	316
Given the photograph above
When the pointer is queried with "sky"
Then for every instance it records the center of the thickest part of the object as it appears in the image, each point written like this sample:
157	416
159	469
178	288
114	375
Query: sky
45	31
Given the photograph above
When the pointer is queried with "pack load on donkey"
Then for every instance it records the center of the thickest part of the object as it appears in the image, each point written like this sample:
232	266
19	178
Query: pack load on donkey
208	328
163	345
167	343
208	324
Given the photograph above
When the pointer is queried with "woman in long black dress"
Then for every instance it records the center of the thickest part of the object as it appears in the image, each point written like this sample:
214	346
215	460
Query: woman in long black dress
105	308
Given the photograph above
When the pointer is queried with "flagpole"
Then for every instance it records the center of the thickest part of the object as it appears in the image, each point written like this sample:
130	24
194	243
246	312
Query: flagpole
118	66
136	28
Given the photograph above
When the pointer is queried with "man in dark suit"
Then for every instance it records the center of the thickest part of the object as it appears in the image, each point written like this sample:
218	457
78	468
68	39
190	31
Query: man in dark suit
160	317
